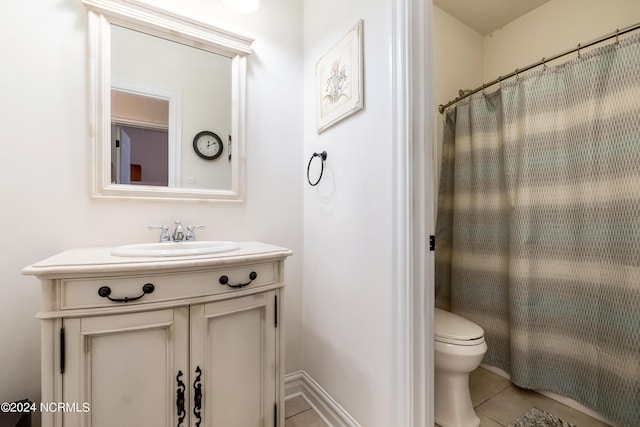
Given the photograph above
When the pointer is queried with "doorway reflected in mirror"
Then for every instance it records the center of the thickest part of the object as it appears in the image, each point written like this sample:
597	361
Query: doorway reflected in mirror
140	156
139	139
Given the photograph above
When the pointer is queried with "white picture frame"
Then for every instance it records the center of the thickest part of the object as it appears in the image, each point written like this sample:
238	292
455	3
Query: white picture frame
339	80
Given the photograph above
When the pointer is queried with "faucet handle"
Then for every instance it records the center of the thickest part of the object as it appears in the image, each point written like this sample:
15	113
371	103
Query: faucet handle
190	235
164	235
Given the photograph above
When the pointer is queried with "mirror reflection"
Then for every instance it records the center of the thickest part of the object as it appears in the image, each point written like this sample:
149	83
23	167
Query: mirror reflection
163	94
139	139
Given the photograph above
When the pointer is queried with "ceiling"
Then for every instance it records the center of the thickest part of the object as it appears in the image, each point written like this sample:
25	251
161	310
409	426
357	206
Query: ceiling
486	16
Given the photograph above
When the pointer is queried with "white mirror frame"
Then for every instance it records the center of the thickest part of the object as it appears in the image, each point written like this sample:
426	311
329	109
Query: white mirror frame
156	22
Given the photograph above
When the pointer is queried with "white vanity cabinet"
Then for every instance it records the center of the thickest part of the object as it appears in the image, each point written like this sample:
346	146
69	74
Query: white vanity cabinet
196	350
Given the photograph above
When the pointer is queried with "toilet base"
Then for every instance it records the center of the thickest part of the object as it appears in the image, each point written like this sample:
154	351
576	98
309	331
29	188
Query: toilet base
452	401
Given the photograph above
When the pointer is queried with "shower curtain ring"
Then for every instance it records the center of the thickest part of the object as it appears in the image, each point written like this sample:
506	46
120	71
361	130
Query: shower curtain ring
579	56
617	31
544	64
517	76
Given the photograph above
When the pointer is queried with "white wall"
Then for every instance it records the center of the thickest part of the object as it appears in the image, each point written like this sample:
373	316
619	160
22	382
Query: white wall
552	28
348	221
45	202
457	64
457	57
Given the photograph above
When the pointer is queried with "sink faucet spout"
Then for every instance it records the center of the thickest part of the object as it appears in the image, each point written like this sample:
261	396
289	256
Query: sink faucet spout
178	233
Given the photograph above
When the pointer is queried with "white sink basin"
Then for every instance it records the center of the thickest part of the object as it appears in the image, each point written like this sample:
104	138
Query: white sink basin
175	248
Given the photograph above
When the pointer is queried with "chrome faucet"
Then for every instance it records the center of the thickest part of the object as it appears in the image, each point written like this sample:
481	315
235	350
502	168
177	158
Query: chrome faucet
178	232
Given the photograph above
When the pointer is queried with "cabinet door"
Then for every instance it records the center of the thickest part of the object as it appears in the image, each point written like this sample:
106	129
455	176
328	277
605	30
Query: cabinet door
234	350
126	368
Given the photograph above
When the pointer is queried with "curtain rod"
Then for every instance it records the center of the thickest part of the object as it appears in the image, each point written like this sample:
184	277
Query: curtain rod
616	33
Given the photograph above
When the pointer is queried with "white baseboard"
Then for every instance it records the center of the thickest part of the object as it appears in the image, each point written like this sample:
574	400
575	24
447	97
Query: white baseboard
557	397
301	384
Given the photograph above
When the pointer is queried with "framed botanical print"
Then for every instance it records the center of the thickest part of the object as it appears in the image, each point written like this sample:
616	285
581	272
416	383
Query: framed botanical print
339	80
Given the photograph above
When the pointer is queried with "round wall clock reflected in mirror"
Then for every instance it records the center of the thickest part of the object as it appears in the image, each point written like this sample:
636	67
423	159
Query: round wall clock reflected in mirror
207	145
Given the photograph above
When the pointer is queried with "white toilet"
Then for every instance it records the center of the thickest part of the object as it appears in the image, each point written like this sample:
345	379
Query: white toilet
459	349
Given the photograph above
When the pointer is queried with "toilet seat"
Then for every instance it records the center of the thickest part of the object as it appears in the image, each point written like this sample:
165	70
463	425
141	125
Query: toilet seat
452	329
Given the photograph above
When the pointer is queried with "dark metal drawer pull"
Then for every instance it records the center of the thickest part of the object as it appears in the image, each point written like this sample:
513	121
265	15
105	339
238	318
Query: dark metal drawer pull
224	280
105	291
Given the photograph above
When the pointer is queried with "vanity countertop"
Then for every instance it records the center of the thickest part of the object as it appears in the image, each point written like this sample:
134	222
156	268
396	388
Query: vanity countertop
99	261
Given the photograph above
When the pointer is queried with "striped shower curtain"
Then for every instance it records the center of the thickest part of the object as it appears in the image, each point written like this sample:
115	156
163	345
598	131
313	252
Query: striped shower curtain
538	230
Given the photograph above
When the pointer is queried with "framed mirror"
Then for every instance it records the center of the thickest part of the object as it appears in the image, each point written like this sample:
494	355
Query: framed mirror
159	83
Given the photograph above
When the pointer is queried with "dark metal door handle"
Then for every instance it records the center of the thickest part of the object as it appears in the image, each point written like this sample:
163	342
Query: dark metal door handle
180	399
197	397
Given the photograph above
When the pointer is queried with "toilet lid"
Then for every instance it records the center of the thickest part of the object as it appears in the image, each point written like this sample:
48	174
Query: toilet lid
453	327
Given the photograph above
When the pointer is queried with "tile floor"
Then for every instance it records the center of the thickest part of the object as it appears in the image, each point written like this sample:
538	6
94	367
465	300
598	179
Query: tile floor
496	400
298	413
